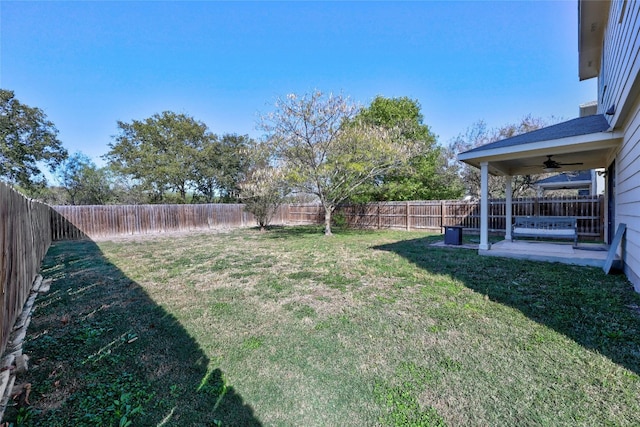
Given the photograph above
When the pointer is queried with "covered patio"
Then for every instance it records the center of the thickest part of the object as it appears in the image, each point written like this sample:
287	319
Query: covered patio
578	144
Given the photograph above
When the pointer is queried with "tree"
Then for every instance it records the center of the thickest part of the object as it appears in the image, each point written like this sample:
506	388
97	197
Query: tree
220	166
159	152
70	175
27	137
98	188
427	175
83	182
264	188
206	166
327	153
126	190
478	134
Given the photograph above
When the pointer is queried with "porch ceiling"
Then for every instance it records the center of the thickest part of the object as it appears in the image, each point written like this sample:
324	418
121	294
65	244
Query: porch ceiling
591	150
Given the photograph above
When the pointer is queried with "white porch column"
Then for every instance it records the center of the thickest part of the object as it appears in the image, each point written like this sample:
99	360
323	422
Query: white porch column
508	211
484	206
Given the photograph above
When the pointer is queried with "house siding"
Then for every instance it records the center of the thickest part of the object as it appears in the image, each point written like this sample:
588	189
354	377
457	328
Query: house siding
620	64
628	194
618	84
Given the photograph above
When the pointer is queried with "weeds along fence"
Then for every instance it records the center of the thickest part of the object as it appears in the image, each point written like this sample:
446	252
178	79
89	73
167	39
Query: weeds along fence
73	222
25	237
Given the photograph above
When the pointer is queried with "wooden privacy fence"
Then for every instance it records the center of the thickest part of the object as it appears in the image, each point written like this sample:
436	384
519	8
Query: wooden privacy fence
25	237
72	222
588	210
77	222
435	215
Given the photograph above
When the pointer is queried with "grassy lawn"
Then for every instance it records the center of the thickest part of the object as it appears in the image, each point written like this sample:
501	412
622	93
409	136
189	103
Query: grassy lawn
291	328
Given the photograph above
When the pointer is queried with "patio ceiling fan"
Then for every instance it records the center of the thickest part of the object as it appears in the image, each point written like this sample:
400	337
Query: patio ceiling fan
551	165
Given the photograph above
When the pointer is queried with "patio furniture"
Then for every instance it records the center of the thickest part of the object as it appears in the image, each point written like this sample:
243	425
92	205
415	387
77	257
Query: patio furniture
546	227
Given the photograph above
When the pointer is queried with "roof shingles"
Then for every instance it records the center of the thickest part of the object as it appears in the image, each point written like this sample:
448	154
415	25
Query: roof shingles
567	177
575	127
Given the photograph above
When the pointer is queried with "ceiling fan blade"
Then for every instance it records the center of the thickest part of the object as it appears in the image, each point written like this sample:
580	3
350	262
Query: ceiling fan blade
552	164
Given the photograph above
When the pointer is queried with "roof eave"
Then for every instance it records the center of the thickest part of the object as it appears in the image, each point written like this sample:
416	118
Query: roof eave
551	146
592	19
586	142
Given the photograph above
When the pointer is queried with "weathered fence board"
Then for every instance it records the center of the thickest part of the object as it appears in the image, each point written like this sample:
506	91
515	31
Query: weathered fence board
99	221
72	222
25	236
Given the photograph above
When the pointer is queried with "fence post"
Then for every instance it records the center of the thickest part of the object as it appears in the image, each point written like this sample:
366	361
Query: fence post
379	217
442	225
408	217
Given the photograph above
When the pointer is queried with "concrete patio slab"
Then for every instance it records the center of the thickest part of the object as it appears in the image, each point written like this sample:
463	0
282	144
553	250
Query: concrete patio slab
587	254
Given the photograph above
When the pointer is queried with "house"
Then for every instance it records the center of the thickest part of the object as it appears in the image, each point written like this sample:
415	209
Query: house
609	50
583	183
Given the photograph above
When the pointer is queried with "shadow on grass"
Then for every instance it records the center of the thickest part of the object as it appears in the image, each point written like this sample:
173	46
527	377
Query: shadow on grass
104	353
599	312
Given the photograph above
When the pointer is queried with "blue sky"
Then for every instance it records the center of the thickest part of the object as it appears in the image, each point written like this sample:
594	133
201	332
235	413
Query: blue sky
90	64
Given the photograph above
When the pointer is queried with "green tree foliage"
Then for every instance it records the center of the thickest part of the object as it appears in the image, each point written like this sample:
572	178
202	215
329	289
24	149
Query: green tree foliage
126	191
427	175
172	155
220	166
264	187
329	154
160	152
478	134
70	175
231	165
27	137
205	169
83	182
